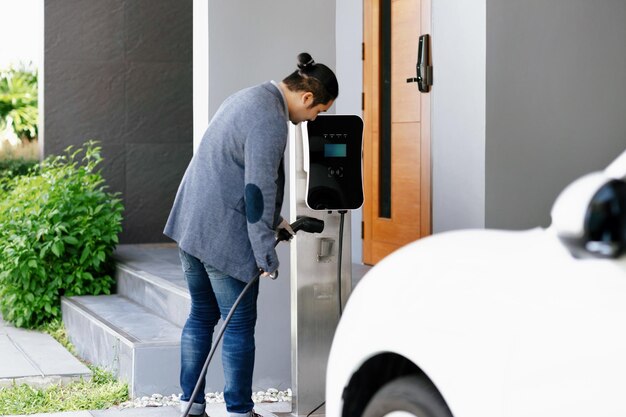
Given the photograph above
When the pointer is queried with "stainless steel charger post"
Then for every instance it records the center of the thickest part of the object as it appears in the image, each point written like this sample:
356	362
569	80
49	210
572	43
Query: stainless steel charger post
325	180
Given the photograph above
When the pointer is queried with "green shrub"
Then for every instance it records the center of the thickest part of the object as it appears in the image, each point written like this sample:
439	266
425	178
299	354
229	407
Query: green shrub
14	167
58	228
11	168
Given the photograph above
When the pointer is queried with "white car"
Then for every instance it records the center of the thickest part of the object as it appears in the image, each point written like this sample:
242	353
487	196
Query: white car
487	323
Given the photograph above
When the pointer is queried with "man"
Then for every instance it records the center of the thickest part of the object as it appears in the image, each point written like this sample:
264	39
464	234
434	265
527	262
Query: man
225	216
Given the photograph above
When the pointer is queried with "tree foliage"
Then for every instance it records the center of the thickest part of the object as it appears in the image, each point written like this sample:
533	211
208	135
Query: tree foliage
18	102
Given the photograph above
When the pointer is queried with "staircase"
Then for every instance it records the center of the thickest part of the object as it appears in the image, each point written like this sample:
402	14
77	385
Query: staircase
136	333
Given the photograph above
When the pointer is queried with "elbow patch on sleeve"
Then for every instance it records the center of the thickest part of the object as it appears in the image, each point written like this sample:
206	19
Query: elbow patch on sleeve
254	203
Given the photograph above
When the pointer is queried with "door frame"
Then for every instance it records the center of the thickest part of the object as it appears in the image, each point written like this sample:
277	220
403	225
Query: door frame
371	111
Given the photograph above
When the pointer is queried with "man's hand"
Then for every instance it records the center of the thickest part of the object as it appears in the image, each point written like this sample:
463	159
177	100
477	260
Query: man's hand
284	231
272	275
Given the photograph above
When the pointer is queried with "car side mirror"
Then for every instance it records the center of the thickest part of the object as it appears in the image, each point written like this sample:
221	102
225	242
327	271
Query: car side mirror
589	216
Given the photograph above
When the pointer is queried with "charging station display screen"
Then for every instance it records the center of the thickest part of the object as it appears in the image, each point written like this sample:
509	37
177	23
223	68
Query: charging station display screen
335	150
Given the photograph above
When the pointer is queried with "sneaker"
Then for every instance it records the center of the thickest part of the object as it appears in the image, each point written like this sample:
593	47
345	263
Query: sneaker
199	415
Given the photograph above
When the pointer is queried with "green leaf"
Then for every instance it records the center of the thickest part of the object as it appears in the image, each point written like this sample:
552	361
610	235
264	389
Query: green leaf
70	240
40	233
84	255
57	248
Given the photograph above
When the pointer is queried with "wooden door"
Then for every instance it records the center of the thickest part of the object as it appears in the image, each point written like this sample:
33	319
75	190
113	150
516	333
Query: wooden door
397	208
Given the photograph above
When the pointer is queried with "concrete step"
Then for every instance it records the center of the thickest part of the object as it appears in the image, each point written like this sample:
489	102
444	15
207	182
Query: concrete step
151	276
127	339
136	333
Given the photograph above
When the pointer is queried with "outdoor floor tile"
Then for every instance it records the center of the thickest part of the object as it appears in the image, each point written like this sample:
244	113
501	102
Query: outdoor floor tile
35	358
47	354
64	414
13	363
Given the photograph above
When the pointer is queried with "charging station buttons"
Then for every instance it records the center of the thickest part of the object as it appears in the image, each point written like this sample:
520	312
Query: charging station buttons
335	172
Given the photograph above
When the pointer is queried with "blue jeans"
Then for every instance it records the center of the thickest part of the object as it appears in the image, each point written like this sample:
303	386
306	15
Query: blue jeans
212	294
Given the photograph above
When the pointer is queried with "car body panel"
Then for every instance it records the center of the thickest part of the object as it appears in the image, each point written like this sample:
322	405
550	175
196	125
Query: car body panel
505	324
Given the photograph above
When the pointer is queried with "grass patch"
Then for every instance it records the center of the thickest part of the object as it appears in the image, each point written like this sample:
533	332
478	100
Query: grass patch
56	329
101	392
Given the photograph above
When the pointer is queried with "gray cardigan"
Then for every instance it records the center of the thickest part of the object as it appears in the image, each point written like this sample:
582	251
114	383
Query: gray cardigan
228	203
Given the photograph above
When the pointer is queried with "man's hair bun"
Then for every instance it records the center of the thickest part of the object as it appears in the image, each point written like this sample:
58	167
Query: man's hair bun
305	61
313	77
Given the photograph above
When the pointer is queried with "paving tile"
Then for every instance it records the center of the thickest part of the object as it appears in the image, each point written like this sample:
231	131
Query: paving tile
35	358
139	412
213	410
64	414
13	363
47	354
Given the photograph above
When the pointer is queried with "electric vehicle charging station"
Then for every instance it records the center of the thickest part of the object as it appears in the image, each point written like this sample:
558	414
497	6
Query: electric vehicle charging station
325	178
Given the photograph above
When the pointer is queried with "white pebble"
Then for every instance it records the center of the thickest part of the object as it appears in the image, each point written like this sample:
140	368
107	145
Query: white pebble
272	395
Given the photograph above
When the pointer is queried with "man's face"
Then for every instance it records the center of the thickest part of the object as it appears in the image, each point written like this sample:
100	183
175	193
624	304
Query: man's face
305	111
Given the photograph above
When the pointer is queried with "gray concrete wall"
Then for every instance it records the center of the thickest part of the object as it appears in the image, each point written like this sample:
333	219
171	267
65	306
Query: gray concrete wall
250	42
458	115
120	71
350	76
556	82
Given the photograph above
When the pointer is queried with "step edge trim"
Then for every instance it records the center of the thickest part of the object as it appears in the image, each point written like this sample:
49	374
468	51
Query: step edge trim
155	280
128	339
106	325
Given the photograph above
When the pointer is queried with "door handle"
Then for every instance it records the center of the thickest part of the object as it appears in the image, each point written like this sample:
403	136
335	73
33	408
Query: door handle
423	68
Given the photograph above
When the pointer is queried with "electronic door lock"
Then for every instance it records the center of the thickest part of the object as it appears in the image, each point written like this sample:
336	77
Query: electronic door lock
423	68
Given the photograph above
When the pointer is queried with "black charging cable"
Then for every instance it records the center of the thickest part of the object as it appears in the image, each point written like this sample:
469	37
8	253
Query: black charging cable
342	214
315	409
